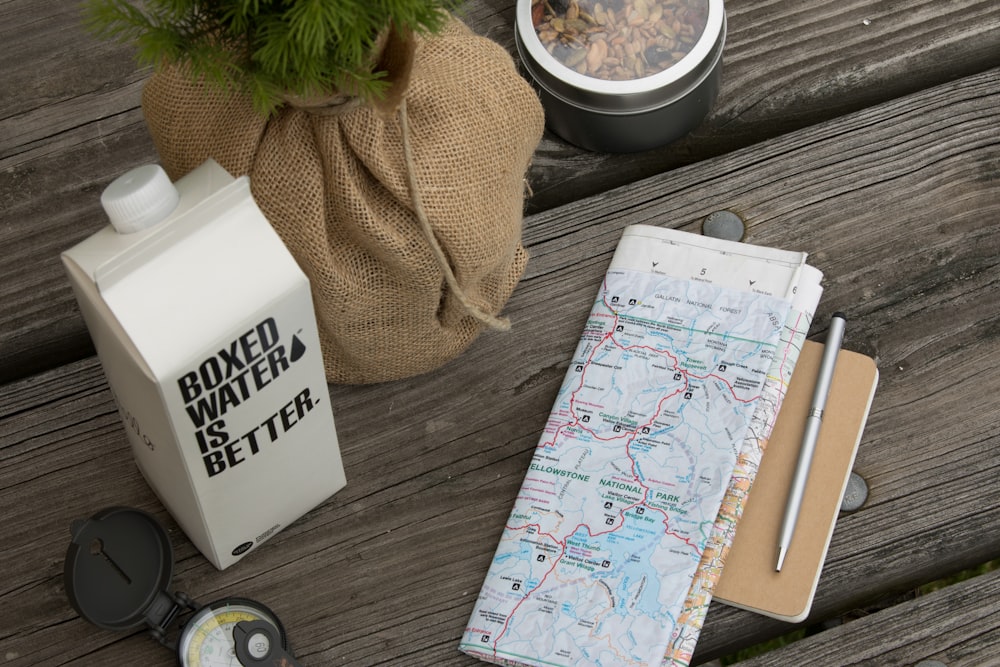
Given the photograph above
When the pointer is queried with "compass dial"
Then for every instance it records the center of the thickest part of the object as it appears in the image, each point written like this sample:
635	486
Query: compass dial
207	639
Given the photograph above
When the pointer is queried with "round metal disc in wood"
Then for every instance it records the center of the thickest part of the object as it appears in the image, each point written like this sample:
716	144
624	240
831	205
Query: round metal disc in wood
856	493
724	225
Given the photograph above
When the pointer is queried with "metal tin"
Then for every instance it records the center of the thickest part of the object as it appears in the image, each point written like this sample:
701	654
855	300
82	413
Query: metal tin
621	116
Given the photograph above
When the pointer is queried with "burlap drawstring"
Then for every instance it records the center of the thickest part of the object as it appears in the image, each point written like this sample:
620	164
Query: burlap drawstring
335	105
501	323
405	217
398	51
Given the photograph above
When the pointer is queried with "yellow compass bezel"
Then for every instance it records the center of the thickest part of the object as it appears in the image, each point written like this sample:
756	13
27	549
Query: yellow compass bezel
210	620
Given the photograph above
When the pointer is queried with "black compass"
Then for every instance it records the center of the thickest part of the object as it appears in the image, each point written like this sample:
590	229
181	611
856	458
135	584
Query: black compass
118	570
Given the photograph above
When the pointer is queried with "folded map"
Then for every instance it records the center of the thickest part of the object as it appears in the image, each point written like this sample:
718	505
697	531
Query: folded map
600	560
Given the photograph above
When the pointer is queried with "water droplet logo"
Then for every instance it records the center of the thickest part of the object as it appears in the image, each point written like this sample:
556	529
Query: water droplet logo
298	349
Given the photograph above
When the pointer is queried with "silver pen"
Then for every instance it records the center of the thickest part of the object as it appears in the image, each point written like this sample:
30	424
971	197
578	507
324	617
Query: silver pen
834	338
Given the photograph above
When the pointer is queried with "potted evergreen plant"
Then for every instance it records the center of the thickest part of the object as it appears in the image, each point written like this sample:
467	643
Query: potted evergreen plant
271	50
386	143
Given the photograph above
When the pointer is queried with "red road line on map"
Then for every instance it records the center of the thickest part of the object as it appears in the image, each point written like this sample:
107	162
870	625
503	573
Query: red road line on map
791	337
555	562
667	531
630	435
572	396
610	335
686	373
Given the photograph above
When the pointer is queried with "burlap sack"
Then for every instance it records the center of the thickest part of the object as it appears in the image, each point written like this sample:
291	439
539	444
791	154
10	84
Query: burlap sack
405	216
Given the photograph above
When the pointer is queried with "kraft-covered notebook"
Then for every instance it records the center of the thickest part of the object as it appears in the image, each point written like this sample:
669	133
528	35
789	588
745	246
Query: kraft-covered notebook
749	580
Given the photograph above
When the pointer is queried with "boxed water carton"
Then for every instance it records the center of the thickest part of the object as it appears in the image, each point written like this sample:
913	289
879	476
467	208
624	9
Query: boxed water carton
206	331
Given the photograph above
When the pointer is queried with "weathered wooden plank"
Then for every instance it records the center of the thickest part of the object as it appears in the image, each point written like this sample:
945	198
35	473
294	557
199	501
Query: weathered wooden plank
958	626
69	123
788	65
873	220
897	205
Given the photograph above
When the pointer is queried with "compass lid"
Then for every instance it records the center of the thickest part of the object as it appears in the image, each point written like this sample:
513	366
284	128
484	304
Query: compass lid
118	565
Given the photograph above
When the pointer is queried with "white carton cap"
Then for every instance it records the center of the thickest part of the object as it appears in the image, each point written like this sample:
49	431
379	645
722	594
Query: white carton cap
139	198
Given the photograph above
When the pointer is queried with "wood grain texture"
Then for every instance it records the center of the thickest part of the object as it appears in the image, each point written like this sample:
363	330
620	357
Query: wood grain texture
790	65
958	626
70	123
897	204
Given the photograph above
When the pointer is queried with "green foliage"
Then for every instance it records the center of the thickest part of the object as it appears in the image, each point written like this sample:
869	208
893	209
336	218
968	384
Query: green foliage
267	47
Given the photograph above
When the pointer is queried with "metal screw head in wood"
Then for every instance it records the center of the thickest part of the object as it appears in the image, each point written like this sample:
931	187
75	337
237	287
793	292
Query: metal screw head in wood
856	493
724	225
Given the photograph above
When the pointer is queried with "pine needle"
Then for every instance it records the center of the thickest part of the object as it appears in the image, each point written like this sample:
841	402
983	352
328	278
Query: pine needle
267	48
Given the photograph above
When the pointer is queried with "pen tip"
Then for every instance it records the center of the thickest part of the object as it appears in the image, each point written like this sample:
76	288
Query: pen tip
781	558
840	315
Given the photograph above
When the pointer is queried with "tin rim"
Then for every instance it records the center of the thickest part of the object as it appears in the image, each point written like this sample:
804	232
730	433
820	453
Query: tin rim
630	95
